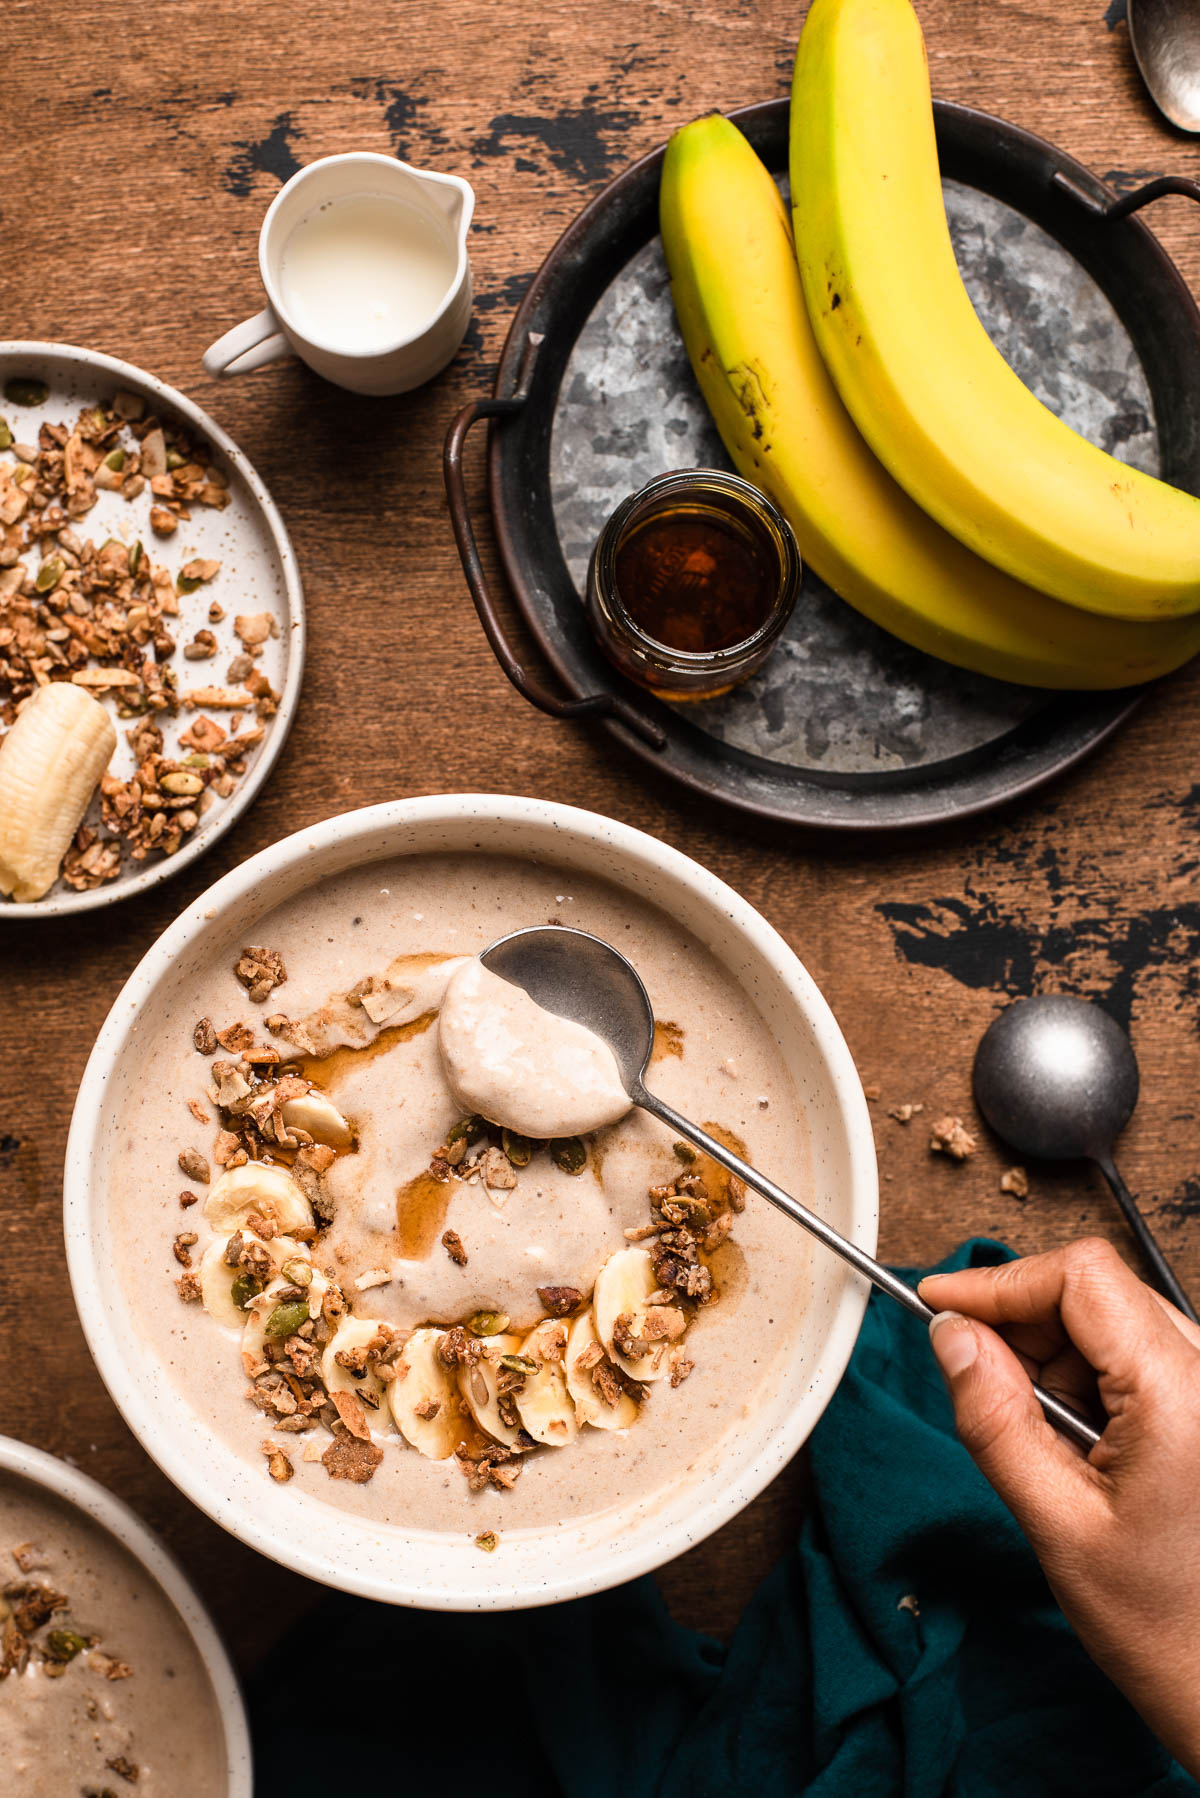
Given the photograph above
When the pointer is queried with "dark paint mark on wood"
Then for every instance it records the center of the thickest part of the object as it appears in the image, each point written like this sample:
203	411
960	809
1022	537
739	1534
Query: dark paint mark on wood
1184	1202
270	155
575	138
1114	13
1103	957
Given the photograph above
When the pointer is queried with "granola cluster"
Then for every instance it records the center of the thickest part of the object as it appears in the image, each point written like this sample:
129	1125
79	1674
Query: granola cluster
105	616
477	1150
36	1630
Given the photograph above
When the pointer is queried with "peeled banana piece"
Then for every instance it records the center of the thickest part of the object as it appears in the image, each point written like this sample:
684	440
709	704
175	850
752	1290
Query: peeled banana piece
424	1398
355	1333
50	764
478	1385
320	1118
257	1188
589	1405
544	1405
623	1285
928	389
741	309
217	1277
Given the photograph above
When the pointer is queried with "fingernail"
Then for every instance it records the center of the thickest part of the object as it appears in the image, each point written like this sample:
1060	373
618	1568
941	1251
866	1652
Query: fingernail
954	1342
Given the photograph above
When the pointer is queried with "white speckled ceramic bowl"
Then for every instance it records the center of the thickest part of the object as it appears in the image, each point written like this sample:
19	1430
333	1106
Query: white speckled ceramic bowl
83	1494
258	573
445	1571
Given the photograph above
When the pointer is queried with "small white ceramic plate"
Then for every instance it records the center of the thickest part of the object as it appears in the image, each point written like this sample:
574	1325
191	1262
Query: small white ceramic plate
442	1570
76	1489
258	574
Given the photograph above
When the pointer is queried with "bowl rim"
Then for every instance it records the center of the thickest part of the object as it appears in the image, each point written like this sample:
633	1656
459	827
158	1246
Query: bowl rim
114	1516
717	1502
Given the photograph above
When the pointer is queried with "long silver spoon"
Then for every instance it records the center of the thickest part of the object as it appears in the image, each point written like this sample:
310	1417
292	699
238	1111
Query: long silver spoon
1165	38
1057	1078
577	976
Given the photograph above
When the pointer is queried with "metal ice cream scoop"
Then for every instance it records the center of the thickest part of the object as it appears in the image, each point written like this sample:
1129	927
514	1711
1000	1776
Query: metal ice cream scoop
576	975
1057	1078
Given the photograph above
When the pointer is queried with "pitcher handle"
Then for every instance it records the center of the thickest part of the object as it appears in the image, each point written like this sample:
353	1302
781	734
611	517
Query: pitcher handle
252	344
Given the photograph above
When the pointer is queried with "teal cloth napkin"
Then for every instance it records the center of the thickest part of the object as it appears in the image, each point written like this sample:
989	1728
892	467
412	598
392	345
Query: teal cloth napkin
908	1647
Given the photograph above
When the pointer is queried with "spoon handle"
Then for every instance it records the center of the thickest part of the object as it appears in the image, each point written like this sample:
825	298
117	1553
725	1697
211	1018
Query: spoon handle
1064	1416
1164	1274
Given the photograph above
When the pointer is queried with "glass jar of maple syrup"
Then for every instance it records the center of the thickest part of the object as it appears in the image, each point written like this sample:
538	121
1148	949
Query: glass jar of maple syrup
691	581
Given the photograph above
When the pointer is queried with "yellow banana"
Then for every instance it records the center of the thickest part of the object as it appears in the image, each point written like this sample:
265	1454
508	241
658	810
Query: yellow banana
926	386
50	763
738	298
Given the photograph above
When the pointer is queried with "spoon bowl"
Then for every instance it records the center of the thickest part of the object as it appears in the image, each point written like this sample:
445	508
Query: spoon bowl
578	976
1057	1079
1165	38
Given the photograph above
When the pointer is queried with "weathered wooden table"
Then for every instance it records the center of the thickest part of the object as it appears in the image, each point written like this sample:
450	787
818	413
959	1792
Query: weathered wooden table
139	151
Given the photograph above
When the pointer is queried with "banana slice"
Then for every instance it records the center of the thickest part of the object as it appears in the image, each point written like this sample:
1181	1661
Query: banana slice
544	1405
589	1406
254	1334
50	762
623	1285
478	1387
321	1118
355	1333
217	1277
424	1384
257	1186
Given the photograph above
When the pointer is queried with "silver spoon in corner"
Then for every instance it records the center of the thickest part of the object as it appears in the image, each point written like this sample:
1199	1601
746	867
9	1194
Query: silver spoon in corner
1165	38
578	976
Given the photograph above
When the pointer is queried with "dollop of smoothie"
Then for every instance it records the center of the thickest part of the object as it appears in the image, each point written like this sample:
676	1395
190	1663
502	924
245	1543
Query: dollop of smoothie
521	1066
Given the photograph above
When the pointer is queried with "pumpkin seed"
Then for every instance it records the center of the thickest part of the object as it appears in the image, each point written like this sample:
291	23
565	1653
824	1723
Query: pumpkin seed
286	1319
518	1148
6	436
135	556
488	1540
569	1153
64	1644
181	783
49	574
174	461
297	1271
519	1363
244	1288
468	1130
683	1151
115	460
487	1323
26	393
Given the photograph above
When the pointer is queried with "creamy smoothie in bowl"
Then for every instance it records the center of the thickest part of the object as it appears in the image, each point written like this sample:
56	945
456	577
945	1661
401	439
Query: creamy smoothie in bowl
103	1685
397	1246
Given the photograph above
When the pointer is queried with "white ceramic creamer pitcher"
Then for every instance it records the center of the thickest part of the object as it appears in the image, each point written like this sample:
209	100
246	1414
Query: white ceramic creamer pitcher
364	261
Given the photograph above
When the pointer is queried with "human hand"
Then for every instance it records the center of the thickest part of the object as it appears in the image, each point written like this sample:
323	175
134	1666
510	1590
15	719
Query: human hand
1117	1532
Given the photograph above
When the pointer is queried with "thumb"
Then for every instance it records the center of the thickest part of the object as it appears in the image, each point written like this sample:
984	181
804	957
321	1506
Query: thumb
1001	1424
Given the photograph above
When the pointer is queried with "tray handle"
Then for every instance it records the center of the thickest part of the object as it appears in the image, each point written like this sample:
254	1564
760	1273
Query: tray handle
594	705
1108	205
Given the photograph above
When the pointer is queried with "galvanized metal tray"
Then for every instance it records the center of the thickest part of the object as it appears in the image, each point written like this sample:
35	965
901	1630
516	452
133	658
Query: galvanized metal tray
846	728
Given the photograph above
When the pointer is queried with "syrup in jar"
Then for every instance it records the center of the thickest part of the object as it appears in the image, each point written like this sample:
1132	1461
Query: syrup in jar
696	578
691	581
